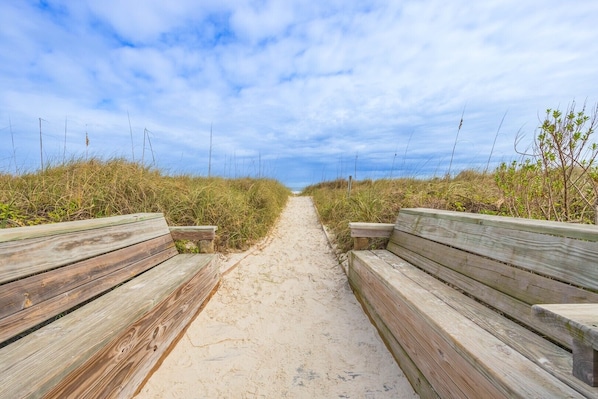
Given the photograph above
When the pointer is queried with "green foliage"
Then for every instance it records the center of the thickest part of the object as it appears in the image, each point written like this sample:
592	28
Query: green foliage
243	209
380	201
9	215
558	179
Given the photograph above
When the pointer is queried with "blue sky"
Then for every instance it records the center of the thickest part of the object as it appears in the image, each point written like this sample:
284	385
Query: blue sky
302	91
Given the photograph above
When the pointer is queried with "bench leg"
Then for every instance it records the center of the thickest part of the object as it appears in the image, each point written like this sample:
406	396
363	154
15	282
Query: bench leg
206	246
585	362
360	243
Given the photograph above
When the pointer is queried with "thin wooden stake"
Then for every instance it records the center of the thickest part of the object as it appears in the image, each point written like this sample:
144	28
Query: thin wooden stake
41	147
14	153
131	132
64	149
210	155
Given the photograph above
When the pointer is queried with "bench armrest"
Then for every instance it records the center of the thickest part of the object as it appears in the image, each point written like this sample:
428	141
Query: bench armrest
362	232
202	235
581	320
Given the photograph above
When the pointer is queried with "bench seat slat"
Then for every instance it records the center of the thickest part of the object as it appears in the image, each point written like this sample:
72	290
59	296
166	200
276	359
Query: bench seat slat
416	378
442	341
27	302
49	252
554	359
136	308
416	337
542	250
509	305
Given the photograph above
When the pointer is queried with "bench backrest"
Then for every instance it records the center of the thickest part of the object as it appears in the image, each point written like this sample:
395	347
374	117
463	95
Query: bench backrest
48	269
507	263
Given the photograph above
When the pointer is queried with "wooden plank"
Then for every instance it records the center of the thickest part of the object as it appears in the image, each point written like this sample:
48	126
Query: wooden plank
506	288
38	362
28	302
581	319
40	253
373	289
586	232
582	322
120	368
421	341
516	282
554	359
567	259
459	358
193	233
51	229
371	230
507	304
417	380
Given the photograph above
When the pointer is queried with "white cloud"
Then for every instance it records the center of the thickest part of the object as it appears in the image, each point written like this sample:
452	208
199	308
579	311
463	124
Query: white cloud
294	83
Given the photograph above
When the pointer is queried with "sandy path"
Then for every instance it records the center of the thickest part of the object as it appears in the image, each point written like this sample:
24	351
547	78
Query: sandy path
284	324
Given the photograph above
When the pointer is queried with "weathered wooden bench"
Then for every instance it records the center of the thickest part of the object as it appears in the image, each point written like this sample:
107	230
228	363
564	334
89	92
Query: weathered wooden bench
478	306
89	308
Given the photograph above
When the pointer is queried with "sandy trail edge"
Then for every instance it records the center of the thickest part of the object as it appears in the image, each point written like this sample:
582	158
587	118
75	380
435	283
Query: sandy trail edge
284	324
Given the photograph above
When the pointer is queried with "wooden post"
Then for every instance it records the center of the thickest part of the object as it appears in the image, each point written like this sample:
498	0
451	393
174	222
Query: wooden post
201	236
360	243
362	232
349	189
581	320
585	362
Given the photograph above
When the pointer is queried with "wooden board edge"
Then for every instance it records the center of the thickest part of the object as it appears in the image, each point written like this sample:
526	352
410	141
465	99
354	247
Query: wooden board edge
562	229
418	381
122	379
383	282
178	338
44	230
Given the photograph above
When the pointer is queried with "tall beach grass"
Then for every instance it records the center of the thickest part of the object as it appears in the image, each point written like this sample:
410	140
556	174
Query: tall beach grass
379	201
244	209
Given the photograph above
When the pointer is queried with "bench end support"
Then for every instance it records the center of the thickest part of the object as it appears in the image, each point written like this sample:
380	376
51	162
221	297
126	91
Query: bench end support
585	362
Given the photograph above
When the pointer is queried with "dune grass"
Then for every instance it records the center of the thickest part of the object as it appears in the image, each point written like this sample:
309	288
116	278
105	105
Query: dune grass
243	209
379	201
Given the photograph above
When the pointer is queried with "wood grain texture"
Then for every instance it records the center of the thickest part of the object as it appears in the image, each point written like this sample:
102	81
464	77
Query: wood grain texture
562	251
28	302
45	230
371	230
459	358
120	368
193	233
586	232
585	362
552	358
507	264
71	341
39	252
581	319
417	380
508	289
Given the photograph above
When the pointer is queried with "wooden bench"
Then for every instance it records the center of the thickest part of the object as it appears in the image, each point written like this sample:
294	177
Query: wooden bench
89	308
465	303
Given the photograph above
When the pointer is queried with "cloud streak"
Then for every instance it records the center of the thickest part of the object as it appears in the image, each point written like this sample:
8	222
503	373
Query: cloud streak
294	90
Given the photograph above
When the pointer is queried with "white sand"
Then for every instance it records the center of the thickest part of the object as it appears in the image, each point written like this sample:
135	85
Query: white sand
284	324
